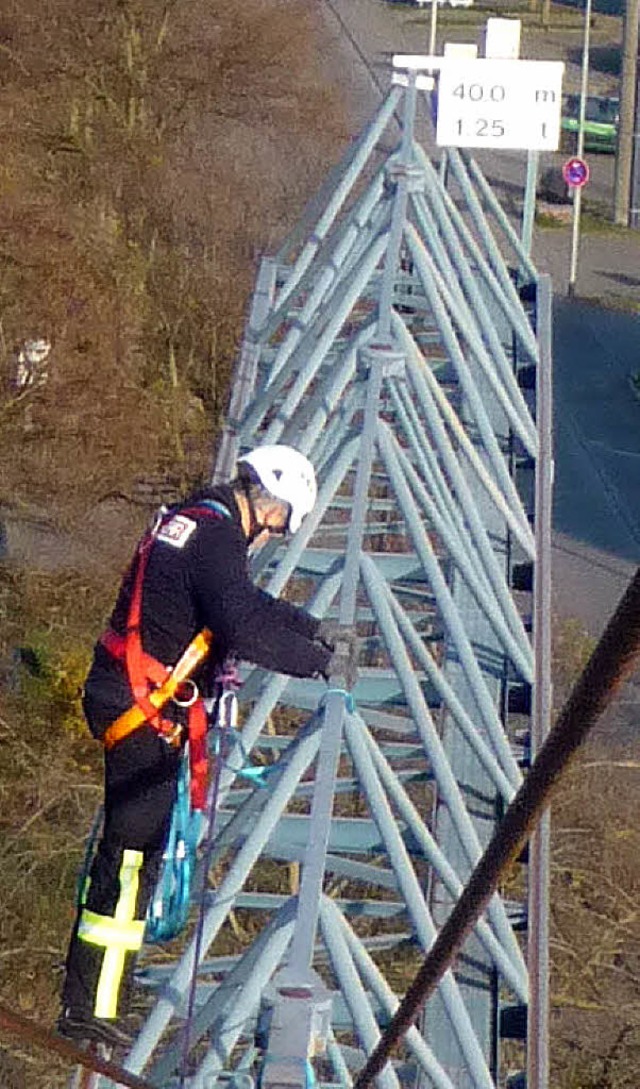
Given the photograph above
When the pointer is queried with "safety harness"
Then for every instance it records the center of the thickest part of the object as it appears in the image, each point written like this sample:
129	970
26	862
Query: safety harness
152	683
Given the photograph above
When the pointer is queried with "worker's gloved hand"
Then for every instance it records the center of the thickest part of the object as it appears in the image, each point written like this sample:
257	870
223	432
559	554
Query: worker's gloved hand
327	633
332	631
343	664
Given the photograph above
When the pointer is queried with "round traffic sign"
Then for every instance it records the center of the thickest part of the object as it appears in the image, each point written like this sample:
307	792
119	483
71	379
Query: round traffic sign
575	172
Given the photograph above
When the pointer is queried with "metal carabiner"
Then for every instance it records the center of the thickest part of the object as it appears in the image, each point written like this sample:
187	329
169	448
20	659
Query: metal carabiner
228	710
186	701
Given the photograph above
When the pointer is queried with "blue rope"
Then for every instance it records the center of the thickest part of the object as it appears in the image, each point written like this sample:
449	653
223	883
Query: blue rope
169	907
348	697
208	843
255	773
168	910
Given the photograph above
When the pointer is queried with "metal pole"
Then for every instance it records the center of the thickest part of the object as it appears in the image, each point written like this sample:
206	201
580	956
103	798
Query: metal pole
417	907
575	239
529	210
634	200
375	982
540	846
577	192
432	29
313	871
625	158
610	664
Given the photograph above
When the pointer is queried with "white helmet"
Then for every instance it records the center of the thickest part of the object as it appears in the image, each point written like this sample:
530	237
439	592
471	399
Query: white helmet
286	474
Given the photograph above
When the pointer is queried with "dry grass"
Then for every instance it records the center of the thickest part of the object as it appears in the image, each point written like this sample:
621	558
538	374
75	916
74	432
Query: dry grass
150	153
595	948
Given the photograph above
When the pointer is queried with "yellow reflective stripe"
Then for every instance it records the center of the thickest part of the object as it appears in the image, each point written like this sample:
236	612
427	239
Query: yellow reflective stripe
103	930
84	892
113	962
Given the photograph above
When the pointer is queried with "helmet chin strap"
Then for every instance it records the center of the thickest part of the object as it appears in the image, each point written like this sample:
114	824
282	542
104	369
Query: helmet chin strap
255	528
254	534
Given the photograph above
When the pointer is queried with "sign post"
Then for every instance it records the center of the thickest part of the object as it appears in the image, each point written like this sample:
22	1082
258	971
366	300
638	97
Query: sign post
576	172
577	190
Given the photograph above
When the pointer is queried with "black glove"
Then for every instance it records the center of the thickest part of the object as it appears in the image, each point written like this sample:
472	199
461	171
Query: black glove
343	664
331	632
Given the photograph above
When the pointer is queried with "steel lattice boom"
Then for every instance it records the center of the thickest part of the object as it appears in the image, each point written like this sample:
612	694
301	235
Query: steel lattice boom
398	341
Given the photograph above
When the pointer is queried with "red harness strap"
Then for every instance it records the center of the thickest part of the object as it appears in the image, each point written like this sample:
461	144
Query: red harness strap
144	672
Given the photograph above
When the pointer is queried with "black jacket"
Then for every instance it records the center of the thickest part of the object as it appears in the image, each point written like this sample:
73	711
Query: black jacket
197	576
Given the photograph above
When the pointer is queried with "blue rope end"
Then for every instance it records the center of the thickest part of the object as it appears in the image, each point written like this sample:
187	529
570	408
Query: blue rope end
348	697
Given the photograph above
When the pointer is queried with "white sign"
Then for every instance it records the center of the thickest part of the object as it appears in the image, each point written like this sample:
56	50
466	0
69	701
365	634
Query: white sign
502	38
461	50
500	104
416	62
423	83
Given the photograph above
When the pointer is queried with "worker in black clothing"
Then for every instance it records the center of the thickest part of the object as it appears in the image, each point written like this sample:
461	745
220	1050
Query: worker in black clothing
190	572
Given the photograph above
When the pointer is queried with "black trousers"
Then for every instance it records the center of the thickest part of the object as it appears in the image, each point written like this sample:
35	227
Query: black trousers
140	789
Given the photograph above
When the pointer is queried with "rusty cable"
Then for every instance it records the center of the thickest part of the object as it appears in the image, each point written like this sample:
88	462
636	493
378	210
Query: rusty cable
608	667
30	1031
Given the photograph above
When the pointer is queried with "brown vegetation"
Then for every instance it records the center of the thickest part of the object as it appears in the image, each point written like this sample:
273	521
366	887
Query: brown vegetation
595	880
595	950
151	152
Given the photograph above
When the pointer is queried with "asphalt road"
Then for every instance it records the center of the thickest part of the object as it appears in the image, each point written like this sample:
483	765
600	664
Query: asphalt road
597	428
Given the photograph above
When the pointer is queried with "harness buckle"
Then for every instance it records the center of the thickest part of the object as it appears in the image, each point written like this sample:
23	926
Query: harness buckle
171	733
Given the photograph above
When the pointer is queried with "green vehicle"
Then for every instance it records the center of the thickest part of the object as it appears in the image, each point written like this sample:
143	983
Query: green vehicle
600	123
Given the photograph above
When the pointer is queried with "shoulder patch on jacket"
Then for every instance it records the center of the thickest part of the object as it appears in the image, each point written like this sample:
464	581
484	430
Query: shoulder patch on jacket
177	530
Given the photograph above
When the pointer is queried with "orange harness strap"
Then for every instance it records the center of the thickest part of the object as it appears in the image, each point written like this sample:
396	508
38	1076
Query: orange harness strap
145	672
